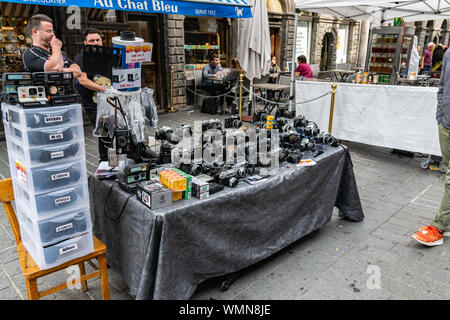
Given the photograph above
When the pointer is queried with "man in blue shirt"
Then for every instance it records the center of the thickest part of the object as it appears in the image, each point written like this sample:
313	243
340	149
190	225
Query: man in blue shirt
211	70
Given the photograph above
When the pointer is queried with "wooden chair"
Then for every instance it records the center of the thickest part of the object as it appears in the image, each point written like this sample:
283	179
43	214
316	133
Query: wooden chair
32	272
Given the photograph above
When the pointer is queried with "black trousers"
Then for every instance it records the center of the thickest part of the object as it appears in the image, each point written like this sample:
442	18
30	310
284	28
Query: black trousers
104	142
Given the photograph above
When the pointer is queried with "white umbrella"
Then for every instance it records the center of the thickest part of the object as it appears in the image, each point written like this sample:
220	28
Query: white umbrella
254	45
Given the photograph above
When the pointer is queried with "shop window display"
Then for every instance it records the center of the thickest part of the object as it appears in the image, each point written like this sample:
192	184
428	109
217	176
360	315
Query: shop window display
14	40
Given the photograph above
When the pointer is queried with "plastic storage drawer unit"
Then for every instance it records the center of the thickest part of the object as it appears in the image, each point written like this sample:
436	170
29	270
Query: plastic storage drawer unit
35	156
48	204
48	178
48	136
40	117
58	228
59	253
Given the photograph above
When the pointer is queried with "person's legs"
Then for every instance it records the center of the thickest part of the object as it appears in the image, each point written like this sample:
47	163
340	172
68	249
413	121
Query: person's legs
442	219
433	234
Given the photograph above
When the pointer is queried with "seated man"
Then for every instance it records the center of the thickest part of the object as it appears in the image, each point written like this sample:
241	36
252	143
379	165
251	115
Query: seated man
211	70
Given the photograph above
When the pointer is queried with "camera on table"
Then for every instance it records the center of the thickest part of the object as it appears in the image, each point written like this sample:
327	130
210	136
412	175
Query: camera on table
233	122
283	125
294	156
260	116
165	153
211	124
231	177
123	140
306	144
311	129
164	133
290	138
31	94
300	121
285	112
194	169
326	138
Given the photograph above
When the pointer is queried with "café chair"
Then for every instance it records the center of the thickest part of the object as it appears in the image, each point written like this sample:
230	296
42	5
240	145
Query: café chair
32	272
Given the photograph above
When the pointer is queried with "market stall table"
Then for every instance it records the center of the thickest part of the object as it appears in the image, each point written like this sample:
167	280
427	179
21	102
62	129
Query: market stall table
166	253
341	75
389	116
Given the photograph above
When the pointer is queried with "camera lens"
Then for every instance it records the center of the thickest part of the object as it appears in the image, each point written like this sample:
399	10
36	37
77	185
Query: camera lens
232	182
32	91
237	124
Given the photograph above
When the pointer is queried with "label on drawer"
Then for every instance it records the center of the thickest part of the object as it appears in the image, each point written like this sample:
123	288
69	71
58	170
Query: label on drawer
57	154
62	200
64	227
53	119
62	175
21	172
68	248
56	136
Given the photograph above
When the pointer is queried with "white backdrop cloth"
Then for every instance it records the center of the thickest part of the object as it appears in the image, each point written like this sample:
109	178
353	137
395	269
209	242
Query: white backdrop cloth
397	117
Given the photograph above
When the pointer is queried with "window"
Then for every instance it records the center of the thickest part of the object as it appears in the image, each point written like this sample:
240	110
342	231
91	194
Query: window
303	44
342	44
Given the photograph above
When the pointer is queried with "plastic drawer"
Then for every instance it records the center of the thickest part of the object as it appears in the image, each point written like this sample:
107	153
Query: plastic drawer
45	155
37	180
48	204
55	229
46	136
59	253
42	117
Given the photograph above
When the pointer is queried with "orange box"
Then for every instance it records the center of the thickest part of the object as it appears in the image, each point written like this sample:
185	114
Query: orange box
177	196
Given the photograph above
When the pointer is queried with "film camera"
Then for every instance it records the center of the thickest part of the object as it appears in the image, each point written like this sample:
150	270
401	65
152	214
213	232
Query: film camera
230	177
283	111
290	139
300	121
211	124
326	138
123	140
39	88
260	116
283	125
233	122
311	129
59	86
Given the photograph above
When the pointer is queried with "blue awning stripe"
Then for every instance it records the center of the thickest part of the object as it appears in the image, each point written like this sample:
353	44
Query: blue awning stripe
205	8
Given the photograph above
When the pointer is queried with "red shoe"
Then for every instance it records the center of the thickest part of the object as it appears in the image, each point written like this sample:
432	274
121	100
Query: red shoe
429	236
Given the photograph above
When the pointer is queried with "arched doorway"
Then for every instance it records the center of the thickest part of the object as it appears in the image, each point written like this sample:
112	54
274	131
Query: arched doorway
327	53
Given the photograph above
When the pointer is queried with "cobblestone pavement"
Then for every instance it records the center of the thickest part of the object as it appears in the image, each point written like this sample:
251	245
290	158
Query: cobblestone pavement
339	261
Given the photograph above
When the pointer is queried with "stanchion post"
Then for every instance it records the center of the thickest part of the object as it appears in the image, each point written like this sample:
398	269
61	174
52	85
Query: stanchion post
172	109
333	96
241	83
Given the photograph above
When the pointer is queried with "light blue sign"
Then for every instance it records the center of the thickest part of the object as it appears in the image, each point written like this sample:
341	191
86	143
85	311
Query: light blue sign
211	8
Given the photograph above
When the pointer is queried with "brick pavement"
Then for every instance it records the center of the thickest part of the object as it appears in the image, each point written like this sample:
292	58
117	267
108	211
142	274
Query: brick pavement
338	261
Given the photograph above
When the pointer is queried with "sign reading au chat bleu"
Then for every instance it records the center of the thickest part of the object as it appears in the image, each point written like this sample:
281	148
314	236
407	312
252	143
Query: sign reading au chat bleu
207	8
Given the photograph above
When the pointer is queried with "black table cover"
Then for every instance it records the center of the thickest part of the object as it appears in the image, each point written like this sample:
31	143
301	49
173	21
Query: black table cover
166	253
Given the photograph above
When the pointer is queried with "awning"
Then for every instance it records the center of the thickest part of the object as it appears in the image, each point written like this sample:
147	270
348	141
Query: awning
383	11
206	8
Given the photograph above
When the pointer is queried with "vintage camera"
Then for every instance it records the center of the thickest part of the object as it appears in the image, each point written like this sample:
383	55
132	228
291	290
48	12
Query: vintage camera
228	178
306	144
311	129
290	138
260	116
211	124
284	112
326	138
123	140
164	134
300	121
294	156
233	122
165	153
283	125
193	169
10	83
59	86
31	95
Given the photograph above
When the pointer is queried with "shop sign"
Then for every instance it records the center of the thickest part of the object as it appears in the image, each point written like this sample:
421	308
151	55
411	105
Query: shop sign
126	78
139	53
211	8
